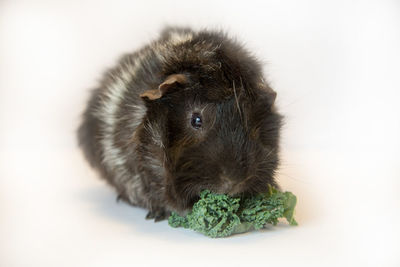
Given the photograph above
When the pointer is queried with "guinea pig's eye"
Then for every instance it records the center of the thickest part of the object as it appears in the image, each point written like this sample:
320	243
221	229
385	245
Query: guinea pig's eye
196	120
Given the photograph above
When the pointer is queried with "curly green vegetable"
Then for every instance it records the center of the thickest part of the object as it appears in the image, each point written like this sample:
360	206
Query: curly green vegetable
219	215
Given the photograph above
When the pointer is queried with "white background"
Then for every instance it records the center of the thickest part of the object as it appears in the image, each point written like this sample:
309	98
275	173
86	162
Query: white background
335	66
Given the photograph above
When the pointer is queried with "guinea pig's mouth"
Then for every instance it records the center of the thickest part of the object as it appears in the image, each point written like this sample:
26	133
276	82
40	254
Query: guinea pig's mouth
229	187
249	186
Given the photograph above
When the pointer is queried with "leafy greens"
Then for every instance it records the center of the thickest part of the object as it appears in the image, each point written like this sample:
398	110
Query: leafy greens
219	215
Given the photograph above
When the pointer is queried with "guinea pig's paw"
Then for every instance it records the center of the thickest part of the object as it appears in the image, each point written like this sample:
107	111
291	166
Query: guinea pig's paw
157	214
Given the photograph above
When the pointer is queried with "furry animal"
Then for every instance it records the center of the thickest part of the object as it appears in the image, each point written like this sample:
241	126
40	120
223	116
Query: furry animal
188	112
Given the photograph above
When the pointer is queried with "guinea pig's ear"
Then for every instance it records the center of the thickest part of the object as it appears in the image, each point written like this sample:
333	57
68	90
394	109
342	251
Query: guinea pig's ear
170	82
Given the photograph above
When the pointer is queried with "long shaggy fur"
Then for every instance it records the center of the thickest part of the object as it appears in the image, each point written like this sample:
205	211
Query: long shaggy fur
147	148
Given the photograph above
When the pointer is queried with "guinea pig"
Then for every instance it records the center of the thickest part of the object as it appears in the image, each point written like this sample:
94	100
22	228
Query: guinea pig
187	112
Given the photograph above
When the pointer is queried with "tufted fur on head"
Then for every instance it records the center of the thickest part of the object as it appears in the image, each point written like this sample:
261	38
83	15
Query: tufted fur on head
190	111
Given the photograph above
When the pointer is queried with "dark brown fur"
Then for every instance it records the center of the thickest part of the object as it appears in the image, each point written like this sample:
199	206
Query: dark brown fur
164	162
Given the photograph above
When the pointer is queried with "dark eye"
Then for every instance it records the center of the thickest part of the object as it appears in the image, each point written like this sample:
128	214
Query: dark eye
196	120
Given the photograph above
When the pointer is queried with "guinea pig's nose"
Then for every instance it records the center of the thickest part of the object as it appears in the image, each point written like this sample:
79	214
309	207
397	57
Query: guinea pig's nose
228	185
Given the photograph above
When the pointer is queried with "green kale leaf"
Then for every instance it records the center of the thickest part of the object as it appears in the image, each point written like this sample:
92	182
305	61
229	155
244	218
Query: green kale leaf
219	215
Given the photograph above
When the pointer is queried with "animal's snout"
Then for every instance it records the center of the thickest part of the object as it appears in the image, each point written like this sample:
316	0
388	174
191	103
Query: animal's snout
231	184
227	184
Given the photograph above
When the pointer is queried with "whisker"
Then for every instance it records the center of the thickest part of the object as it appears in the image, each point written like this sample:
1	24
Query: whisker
237	101
269	153
280	173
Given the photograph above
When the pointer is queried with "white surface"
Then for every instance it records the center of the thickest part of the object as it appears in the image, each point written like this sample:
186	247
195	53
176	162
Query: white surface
335	67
